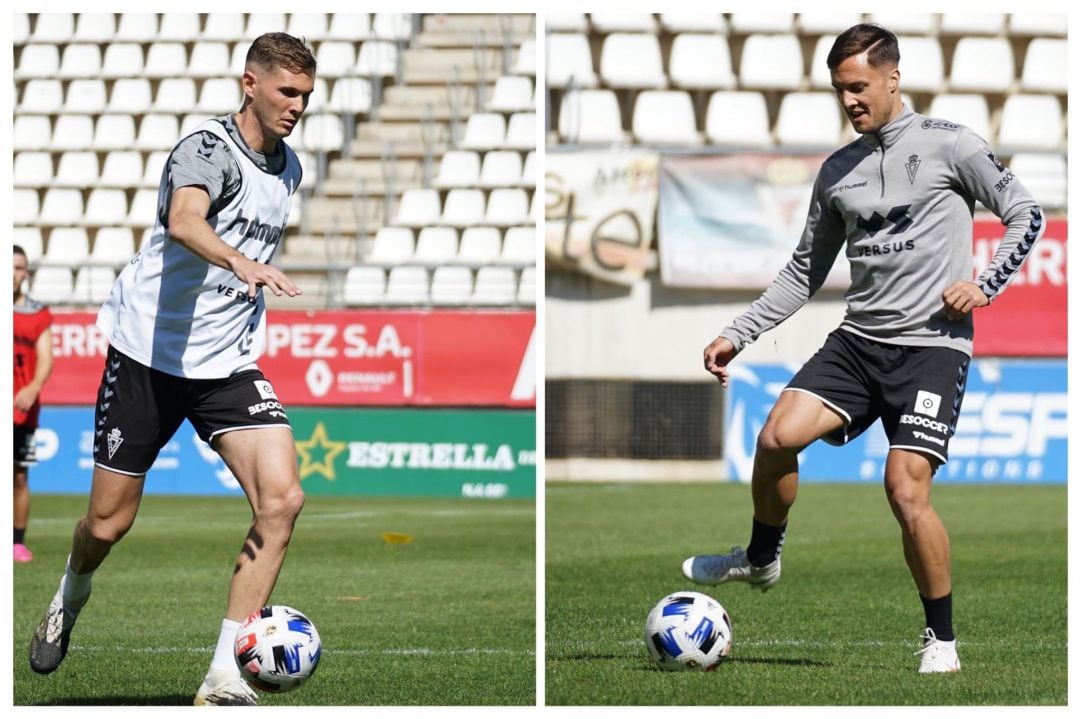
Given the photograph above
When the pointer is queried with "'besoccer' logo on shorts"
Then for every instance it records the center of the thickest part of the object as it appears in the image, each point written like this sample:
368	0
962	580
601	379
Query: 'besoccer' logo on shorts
927	403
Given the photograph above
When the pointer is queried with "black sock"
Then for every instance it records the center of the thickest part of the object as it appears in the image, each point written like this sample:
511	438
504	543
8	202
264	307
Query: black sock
20	535
939	616
765	543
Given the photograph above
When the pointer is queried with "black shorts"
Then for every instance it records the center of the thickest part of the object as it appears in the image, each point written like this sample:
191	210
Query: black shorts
139	410
916	391
25	446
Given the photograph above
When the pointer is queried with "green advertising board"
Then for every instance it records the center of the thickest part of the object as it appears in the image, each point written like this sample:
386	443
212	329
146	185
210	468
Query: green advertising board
416	452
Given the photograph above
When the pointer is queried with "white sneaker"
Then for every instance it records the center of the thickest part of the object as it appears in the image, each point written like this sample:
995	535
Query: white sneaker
734	566
222	687
51	639
937	655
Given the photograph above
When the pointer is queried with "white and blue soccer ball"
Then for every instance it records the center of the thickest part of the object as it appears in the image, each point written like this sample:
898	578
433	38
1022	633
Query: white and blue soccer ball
277	649
688	630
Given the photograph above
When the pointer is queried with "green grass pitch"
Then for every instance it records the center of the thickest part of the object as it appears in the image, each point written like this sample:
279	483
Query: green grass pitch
449	619
841	626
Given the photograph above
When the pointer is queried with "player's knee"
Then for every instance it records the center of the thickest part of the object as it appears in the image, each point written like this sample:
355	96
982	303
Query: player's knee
284	506
107	530
777	437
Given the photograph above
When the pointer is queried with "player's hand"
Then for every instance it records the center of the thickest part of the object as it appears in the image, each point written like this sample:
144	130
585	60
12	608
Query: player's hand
962	297
25	398
256	274
717	356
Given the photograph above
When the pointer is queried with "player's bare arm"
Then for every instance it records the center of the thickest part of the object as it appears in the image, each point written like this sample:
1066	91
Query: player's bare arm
718	355
188	227
25	397
962	297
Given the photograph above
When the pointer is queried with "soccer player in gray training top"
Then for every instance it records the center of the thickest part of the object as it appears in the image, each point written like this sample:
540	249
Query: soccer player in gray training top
899	201
186	323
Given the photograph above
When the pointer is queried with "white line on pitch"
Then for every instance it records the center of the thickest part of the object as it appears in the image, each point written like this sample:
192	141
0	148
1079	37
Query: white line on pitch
415	651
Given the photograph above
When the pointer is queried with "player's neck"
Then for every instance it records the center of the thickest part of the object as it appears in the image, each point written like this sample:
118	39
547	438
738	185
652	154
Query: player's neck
19	299
252	133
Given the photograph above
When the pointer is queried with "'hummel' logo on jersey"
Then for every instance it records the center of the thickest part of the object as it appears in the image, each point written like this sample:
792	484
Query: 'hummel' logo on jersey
912	168
209	142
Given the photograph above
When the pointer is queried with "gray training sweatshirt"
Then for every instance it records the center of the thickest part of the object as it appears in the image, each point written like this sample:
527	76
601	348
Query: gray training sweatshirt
901	200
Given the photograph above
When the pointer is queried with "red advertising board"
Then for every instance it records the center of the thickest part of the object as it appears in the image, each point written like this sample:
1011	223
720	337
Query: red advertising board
352	358
1029	319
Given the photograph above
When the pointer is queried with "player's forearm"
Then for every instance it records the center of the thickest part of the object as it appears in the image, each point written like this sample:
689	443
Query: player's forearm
193	233
1023	230
787	293
44	366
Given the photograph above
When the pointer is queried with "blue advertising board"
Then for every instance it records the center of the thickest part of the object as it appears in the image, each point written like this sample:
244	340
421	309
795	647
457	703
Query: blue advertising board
1013	427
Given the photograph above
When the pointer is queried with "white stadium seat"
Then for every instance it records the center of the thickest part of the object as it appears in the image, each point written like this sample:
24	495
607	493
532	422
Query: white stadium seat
458	168
569	61
608	22
364	285
312	26
451	285
105	207
512	93
335	58
591	116
808	119
519	246
238	59
1044	64
165	59
77	169
80	60
921	64
970	110
982	64
316	101
701	62
418	207
566	22
144	208
174	95
260	23
323	133
20	31
463	207
74	132
54	27
25	206
436	245
772	62
29	239
392	25
208	59
137	27
93	284
747	22
51	285
484	131
113	245
906	23
391	246
479	246
179	26
193	120
122	59
220	96
1044	176
377	58
94	27
500	168
86	96
526	294
821	23
632	60
31	132
1051	24
33	169
130	95
737	119
122	168
525	59
967	23
44	96
1031	122
528	170
521	131
349	26
407	286
67	246
694	22
494	286
665	118
820	75
38	61
225	26
155	164
507	206
157	132
350	94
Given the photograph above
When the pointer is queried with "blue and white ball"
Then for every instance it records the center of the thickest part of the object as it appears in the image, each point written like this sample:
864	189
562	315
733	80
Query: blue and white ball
277	649
688	630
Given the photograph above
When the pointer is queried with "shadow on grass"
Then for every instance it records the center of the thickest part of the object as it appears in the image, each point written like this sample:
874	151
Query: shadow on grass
169	700
778	661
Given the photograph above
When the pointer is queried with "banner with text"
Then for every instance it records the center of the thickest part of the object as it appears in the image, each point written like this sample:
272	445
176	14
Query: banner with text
1013	427
376	452
353	358
599	212
1030	318
732	221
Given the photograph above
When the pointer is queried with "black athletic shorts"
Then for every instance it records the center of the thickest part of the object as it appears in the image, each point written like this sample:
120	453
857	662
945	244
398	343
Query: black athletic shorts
25	446
139	409
916	391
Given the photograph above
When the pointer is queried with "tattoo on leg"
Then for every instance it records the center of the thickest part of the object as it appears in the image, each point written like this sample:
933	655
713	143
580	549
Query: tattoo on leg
252	543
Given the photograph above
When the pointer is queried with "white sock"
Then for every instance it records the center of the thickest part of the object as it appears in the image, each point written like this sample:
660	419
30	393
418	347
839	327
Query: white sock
76	586
224	653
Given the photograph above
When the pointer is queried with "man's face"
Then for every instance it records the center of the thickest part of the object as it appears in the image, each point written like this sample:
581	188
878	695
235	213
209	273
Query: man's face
278	98
869	95
21	272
